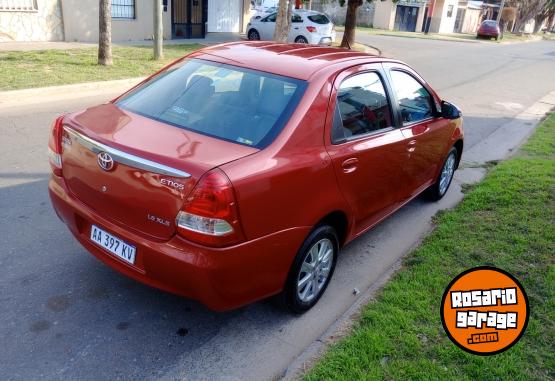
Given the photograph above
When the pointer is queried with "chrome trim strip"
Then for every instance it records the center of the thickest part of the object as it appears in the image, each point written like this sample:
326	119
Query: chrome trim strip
126	158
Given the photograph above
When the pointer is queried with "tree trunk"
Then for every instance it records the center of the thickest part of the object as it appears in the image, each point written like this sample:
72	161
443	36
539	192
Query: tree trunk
158	30
538	21
283	21
550	21
105	33
348	40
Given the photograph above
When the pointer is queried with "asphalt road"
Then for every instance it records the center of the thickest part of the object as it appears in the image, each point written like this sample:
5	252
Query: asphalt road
65	315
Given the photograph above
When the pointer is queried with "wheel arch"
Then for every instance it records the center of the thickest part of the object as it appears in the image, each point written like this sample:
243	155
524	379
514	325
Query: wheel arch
459	144
339	221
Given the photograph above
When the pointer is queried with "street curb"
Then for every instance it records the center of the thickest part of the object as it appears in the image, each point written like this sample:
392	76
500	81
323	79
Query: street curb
38	95
339	329
523	125
368	48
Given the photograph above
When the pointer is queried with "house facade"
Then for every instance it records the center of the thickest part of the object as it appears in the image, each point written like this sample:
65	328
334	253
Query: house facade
31	20
77	20
411	15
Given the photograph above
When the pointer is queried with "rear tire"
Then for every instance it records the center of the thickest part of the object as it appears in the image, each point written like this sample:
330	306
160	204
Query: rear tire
301	40
311	271
445	177
253	35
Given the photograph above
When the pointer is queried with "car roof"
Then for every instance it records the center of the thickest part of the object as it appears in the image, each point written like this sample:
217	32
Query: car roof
299	61
307	12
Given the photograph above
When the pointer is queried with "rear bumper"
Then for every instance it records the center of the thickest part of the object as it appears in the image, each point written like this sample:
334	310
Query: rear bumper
488	33
316	39
221	279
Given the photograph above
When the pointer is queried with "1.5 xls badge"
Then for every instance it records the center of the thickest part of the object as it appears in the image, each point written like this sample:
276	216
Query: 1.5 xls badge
484	310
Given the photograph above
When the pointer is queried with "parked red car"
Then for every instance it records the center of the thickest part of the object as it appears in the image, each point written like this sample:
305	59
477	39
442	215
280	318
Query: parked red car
489	29
240	170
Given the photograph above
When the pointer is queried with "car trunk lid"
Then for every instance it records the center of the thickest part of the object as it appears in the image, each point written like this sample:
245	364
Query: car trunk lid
153	167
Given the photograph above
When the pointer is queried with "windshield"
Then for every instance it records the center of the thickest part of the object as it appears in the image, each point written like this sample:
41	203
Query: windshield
240	105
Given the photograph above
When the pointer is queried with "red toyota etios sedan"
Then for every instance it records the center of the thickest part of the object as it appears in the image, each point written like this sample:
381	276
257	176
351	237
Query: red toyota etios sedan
240	170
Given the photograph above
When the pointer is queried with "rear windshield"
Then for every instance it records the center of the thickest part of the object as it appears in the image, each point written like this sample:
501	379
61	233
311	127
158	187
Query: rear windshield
239	105
490	23
319	19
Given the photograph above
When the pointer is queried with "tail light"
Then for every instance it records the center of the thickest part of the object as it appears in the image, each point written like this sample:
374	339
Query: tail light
210	215
55	146
311	29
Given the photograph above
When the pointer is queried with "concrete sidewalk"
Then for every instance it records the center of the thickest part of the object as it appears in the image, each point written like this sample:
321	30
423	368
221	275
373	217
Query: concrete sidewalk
211	39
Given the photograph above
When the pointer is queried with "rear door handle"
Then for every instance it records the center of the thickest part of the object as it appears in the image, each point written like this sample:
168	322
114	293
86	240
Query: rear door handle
349	165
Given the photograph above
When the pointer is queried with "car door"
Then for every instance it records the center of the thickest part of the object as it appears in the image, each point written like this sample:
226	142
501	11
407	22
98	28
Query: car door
426	132
296	27
365	145
267	27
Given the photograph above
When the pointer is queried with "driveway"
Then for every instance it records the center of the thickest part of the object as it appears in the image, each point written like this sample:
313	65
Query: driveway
65	315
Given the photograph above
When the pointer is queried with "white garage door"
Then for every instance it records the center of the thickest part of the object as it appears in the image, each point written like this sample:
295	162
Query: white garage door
224	15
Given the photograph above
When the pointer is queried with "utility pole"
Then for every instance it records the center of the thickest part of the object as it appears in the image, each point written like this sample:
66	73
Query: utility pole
158	30
428	20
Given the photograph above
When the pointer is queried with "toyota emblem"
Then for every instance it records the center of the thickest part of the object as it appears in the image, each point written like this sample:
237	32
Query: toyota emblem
105	161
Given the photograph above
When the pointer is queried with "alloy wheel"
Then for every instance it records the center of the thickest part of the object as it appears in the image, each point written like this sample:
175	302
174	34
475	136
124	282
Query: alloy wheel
315	270
447	173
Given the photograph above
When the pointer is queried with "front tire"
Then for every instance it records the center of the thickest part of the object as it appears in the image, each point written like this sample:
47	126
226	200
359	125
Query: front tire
253	35
312	270
443	181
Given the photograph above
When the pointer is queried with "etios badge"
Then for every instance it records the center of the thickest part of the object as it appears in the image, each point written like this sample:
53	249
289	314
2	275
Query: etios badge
105	161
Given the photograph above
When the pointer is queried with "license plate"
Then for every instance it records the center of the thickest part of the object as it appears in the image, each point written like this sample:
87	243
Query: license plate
113	244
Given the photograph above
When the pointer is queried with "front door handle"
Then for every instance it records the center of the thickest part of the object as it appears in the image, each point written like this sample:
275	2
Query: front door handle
349	165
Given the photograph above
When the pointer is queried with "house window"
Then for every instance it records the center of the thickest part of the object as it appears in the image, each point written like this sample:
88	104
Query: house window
18	5
450	11
123	9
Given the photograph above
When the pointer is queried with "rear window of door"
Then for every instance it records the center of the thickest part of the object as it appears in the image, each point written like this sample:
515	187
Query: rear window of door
319	19
415	102
362	107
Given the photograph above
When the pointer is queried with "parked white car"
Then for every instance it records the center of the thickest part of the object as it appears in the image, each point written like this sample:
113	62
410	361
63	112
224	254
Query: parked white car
307	27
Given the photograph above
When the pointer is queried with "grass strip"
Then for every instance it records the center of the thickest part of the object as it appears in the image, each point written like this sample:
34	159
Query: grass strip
506	221
21	70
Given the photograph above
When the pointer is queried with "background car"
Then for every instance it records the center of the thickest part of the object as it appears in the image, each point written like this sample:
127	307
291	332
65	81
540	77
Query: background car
307	27
263	6
238	172
489	29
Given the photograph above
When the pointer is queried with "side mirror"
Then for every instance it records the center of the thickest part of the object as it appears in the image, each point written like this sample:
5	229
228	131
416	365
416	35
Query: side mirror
450	111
